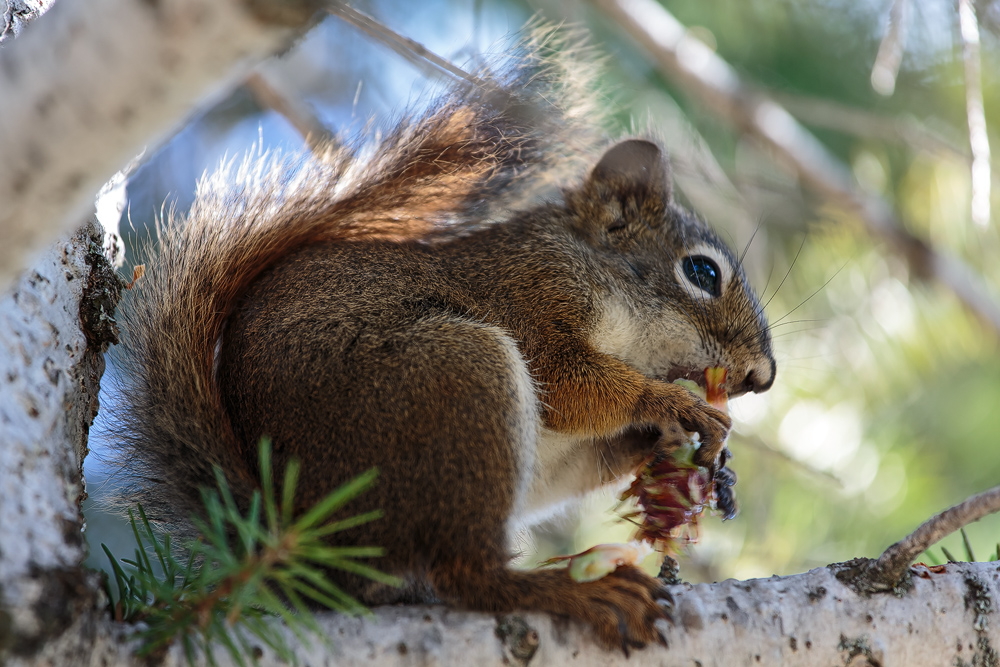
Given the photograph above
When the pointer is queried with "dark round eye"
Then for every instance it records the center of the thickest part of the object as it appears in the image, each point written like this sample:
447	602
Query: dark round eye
703	273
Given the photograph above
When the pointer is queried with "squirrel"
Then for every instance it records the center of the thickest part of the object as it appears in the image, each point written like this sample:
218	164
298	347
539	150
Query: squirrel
402	307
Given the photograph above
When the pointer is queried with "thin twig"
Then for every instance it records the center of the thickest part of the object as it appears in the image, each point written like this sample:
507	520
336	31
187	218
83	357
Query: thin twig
893	562
297	113
697	69
416	53
831	115
890	51
978	138
903	129
763	448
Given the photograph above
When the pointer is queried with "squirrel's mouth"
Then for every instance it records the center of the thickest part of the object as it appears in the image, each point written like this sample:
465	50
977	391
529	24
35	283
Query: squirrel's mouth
693	374
712	380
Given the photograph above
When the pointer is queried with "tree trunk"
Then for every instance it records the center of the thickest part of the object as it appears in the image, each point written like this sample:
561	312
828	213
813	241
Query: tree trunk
50	370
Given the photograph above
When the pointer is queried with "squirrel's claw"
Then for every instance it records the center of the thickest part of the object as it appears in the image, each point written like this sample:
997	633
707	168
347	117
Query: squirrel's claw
634	599
674	405
713	427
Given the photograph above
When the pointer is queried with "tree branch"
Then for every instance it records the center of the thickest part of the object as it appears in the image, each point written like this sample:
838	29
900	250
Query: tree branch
891	565
795	621
702	73
296	112
55	325
979	140
91	83
890	51
820	112
18	13
412	51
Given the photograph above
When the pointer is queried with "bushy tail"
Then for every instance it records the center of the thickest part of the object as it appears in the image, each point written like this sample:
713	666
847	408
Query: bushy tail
478	150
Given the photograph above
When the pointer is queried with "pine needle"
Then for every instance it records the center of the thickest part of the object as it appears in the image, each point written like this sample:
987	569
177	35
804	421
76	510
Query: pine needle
243	569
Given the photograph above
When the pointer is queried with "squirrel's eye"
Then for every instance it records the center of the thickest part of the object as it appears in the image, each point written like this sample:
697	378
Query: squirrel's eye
703	273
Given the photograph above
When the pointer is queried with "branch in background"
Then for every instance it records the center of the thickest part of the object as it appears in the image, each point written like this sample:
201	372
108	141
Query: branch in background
831	115
978	139
890	566
414	52
697	69
762	447
890	51
903	129
988	12
297	113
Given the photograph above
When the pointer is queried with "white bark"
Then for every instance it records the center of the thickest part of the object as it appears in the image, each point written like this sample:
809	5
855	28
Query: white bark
975	114
806	619
802	620
19	13
92	82
48	398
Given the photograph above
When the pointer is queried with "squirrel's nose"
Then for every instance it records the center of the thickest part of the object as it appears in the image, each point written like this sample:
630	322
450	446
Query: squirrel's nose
760	378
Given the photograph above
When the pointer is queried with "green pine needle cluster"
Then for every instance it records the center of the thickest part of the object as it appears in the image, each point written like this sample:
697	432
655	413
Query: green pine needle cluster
244	569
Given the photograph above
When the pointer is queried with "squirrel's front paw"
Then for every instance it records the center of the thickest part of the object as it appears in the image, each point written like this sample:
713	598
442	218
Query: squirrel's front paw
669	406
623	608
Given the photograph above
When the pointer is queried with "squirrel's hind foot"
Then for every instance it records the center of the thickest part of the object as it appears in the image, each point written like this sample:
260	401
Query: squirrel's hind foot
622	608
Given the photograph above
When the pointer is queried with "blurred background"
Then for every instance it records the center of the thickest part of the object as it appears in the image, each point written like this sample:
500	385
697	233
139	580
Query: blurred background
866	208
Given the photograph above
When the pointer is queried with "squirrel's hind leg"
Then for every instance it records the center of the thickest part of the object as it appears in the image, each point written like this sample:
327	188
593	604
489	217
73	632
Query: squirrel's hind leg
450	410
469	563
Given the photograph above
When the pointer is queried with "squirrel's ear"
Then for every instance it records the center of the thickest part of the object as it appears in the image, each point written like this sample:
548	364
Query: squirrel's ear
634	167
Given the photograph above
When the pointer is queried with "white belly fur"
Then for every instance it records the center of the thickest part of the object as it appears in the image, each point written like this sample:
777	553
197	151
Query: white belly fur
566	467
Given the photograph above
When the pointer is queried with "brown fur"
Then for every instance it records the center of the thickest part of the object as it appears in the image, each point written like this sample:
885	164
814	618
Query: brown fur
376	313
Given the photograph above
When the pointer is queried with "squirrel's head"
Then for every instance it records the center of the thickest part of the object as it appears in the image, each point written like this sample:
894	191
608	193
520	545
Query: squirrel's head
674	300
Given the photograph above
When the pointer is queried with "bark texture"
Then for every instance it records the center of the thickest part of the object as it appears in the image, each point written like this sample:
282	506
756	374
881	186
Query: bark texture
802	620
798	621
17	14
50	370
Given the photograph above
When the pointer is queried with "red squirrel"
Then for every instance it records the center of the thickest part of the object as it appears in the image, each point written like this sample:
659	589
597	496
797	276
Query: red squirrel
399	304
